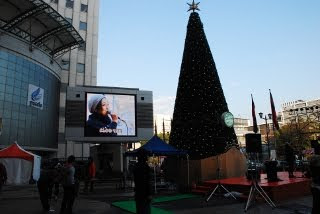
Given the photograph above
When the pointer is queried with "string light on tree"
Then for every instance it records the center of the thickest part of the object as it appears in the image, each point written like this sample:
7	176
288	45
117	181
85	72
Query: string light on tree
200	101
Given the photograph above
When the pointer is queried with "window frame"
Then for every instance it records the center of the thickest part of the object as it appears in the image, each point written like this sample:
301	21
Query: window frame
82	66
84	8
82	24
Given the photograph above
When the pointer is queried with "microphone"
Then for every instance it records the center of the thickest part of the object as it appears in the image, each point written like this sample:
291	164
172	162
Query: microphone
109	112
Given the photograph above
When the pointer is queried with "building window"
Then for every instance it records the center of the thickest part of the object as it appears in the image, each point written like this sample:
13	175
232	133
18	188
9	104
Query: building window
84	8
83	26
80	68
69	20
82	47
65	65
69	4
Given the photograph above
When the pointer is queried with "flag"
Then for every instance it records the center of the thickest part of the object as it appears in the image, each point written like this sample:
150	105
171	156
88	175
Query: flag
155	128
255	125
274	114
163	131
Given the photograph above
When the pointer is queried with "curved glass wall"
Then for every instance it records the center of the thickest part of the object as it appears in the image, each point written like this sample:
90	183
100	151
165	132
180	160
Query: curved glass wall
27	125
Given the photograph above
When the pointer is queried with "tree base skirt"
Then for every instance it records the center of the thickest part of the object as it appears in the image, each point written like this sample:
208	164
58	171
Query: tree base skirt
232	164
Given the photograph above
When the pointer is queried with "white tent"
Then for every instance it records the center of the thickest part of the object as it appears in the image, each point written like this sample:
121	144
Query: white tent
20	164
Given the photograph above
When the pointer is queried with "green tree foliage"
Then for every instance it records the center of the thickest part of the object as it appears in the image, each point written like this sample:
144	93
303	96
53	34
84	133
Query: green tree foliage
298	132
166	136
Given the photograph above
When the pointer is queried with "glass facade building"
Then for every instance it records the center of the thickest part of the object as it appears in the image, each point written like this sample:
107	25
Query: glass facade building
29	126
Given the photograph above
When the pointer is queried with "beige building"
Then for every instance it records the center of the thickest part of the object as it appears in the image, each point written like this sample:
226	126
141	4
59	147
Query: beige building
292	111
241	128
79	66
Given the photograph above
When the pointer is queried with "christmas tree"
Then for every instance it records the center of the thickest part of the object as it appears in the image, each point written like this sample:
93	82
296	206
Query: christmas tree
200	102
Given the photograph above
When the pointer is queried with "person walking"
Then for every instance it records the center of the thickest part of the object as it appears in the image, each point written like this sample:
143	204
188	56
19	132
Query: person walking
3	175
69	189
91	174
142	187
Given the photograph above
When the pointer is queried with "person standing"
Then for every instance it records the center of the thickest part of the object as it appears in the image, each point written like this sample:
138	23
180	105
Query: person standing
3	175
142	187
69	189
45	184
290	158
315	185
57	180
91	174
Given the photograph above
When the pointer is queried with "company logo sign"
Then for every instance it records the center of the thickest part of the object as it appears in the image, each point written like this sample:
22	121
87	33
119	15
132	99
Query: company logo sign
35	96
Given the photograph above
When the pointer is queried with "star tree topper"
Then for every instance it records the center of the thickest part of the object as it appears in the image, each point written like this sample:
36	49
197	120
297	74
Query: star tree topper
193	6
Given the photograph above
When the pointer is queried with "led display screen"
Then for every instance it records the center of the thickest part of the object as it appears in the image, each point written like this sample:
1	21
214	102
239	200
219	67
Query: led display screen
110	115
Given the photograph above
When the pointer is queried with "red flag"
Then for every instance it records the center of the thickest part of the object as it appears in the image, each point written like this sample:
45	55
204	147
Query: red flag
255	125
155	128
163	131
274	114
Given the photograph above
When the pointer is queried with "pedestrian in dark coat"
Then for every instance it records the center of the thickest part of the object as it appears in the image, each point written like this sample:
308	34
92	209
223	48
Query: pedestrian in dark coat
3	175
69	186
45	185
142	187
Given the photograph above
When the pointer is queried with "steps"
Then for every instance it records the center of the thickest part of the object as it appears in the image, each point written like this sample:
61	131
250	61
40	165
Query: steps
202	189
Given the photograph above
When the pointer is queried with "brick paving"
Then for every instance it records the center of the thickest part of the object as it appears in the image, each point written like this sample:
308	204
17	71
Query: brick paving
25	199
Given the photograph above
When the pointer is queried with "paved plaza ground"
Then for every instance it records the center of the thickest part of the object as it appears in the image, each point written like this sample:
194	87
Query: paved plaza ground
25	200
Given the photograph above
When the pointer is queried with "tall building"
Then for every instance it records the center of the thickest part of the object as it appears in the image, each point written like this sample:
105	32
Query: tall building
79	67
34	38
241	129
48	76
291	111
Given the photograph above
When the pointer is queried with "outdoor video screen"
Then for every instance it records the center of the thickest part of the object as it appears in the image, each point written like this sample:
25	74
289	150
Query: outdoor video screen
110	115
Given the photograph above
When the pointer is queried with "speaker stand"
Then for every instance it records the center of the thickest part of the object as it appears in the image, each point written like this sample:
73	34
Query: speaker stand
255	187
219	185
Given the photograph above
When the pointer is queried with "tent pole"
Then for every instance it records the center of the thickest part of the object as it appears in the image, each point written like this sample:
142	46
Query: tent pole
155	177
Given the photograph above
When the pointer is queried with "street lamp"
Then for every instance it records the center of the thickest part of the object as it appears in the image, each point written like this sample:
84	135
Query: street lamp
267	129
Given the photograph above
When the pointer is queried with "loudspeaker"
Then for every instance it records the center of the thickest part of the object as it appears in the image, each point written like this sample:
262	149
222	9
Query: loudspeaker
253	173
253	143
271	170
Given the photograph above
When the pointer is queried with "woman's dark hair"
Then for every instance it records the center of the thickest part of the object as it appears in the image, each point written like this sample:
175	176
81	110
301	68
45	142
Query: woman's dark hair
71	159
99	106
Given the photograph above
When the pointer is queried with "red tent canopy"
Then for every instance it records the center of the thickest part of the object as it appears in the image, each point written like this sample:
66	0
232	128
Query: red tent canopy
15	151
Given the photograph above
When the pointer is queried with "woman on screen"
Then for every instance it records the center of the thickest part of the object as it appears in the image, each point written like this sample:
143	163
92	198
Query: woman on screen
100	122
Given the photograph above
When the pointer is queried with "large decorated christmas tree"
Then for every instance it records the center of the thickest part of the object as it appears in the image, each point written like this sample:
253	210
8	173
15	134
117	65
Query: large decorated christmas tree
200	102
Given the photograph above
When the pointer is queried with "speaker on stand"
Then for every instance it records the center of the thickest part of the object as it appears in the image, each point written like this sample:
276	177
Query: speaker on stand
254	147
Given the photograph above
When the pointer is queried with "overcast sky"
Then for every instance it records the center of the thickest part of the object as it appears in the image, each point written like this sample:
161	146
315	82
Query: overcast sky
256	45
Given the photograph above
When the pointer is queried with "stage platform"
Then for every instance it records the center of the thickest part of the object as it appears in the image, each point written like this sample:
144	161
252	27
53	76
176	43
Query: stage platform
283	189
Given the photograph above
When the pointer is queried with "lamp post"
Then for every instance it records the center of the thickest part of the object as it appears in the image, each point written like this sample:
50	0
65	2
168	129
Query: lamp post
267	129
